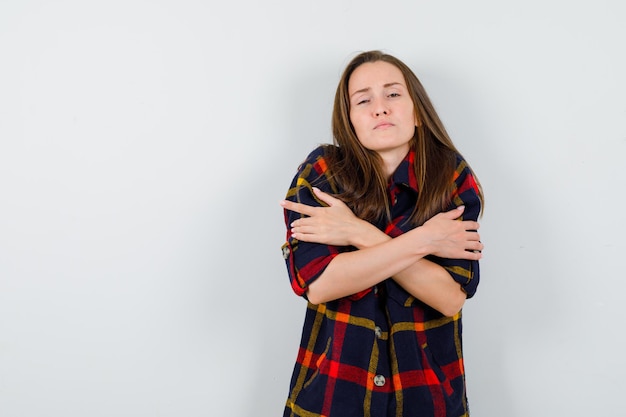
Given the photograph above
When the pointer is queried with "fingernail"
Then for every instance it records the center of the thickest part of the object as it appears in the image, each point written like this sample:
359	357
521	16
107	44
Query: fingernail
315	189
461	208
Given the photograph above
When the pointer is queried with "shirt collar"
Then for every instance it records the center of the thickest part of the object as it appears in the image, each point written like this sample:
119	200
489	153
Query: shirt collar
405	173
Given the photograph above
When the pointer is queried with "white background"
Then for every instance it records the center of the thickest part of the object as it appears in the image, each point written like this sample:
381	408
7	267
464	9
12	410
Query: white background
144	146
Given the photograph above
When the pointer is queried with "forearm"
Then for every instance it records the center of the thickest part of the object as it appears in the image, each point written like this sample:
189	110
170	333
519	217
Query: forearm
433	285
423	279
351	272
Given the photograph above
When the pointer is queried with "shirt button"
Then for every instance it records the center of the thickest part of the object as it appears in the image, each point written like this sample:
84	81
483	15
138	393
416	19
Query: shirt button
378	331
379	380
376	289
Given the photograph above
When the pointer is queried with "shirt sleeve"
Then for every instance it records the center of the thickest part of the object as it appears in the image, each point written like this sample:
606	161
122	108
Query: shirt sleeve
466	192
305	260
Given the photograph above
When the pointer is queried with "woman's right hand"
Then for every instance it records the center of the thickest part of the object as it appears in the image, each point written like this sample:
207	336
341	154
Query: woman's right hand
453	238
334	224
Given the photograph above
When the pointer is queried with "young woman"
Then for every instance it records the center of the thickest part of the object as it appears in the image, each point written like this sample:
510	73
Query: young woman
382	242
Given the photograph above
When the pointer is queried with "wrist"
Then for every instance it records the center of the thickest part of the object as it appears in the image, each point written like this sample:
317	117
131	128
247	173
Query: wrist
367	235
422	243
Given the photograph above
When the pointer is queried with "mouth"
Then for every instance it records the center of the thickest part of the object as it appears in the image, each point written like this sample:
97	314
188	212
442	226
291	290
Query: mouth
383	125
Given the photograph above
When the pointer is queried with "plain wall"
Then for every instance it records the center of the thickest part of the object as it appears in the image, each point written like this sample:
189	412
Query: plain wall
145	145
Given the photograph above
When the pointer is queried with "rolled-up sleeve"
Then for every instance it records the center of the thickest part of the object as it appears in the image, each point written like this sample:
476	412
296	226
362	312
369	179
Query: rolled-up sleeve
306	261
465	272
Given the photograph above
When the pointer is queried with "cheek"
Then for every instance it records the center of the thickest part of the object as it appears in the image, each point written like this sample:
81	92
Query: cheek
359	130
356	122
411	115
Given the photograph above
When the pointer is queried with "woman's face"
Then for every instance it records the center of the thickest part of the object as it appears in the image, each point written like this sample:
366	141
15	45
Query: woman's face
381	109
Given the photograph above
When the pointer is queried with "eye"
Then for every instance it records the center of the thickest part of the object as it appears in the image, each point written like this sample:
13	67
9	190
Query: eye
365	100
394	95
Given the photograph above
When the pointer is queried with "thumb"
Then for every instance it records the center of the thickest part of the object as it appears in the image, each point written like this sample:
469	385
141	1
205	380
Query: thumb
455	213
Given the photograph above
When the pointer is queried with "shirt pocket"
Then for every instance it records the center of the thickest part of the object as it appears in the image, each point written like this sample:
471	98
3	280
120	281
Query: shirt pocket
433	372
321	365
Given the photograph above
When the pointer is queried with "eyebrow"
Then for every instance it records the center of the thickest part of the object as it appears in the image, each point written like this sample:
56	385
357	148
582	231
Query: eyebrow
363	90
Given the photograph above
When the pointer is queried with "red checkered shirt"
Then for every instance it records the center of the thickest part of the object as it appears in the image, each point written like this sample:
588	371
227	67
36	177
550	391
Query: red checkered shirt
380	352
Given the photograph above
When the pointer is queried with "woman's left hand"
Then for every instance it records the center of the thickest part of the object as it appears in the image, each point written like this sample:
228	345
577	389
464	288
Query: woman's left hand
333	225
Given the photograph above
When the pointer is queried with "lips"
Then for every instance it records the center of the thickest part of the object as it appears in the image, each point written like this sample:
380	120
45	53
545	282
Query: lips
383	125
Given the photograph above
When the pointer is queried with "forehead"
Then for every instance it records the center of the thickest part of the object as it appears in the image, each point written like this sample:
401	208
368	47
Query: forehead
374	74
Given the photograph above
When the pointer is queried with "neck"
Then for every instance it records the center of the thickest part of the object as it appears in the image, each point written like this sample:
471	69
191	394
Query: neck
391	161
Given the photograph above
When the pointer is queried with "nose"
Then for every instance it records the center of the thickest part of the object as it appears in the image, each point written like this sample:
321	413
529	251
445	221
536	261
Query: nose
380	108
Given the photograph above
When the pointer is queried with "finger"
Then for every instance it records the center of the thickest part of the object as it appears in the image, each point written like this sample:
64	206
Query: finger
472	235
471	255
303	237
455	213
471	225
325	197
475	246
304	230
298	207
305	221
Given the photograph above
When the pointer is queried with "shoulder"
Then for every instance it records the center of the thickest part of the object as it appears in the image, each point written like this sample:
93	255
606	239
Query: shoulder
314	170
467	191
461	162
462	169
319	153
317	160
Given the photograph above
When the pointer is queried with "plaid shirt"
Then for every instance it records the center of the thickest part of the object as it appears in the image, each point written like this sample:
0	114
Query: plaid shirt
380	352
